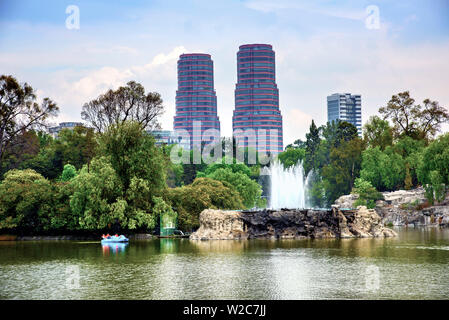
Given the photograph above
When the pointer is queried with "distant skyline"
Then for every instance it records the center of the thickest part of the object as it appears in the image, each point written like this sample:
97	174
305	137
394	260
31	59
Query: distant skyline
322	47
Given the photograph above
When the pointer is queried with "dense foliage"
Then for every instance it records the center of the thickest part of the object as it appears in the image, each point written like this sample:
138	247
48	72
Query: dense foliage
203	193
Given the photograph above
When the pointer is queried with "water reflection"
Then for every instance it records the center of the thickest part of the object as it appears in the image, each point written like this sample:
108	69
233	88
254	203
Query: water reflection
168	245
412	266
114	248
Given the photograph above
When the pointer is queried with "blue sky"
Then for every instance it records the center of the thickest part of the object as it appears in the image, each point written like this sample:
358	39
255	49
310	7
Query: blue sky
321	47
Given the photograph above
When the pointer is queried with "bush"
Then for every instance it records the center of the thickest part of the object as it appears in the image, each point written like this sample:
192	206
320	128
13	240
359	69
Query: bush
433	171
24	195
203	193
249	190
68	173
368	195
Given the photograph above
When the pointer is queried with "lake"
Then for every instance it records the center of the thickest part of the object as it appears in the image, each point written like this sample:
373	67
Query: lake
414	265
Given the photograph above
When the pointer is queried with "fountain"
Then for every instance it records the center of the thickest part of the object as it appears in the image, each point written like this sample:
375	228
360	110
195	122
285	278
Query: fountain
288	186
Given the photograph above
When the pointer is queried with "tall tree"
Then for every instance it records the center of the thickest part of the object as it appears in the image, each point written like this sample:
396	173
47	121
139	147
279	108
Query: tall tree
126	103
343	169
345	132
377	133
431	118
19	111
415	121
312	144
23	147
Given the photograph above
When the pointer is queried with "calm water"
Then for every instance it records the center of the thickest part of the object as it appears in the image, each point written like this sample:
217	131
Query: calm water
413	266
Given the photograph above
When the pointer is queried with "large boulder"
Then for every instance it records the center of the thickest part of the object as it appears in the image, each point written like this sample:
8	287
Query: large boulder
401	197
346	201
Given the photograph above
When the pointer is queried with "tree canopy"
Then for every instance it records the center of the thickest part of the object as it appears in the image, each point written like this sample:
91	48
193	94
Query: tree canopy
410	119
19	110
128	102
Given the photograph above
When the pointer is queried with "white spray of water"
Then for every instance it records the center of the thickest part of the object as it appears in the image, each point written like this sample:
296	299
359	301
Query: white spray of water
288	186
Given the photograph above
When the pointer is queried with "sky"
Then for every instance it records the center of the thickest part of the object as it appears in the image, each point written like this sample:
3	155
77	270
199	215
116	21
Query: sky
322	47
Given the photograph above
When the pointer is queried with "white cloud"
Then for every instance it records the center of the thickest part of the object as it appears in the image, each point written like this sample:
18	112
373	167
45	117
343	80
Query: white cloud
162	58
72	90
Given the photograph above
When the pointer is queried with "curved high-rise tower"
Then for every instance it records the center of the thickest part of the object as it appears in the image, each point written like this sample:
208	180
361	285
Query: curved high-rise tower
196	101
257	99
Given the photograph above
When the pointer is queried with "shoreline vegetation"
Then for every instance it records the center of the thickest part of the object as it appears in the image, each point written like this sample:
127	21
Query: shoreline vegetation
110	176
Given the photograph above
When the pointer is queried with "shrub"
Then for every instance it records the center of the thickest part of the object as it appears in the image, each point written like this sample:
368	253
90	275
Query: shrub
368	195
203	193
24	194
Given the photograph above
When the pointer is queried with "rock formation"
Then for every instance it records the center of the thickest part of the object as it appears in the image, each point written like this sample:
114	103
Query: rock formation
290	224
403	207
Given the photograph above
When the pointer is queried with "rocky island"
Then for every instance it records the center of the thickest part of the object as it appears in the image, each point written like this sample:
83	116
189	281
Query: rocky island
290	224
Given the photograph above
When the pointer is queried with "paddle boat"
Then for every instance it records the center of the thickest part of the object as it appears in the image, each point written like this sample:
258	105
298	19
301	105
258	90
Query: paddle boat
113	239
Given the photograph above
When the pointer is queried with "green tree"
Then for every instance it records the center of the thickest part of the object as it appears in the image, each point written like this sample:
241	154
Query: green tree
343	169
55	214
345	132
368	195
24	146
97	196
68	173
385	170
377	133
19	111
128	103
249	190
433	170
23	193
312	144
410	150
226	163
416	121
316	194
291	156
191	168
174	171
203	193
133	153
120	186
77	146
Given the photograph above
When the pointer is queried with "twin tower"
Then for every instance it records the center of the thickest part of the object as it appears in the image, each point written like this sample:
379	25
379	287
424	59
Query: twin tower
257	120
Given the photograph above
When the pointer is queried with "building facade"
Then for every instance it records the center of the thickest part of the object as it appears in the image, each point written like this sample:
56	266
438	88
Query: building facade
345	107
257	100
54	131
196	100
163	137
